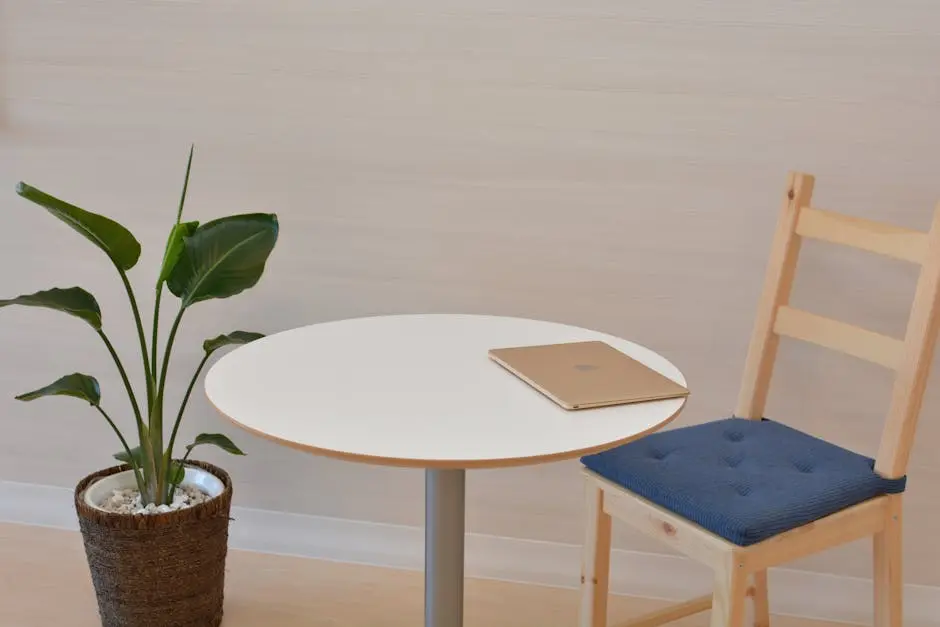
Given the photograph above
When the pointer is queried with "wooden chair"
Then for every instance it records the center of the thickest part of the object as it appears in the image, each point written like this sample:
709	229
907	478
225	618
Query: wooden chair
645	483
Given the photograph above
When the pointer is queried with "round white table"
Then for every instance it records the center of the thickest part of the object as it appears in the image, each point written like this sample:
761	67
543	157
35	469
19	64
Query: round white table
420	391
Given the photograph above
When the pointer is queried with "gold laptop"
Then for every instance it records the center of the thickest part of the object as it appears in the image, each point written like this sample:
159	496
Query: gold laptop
580	375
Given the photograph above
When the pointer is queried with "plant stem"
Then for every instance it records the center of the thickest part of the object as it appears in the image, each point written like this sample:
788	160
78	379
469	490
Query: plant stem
159	296
156	330
172	489
154	364
168	455
179	217
150	461
127	449
148	373
156	415
169	348
127	383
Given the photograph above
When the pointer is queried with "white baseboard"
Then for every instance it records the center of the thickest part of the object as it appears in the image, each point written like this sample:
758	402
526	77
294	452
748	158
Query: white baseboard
794	592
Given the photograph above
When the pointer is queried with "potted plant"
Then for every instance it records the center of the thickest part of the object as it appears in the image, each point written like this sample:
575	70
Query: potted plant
155	528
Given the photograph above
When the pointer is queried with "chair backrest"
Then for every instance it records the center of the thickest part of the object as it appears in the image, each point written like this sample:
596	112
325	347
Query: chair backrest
910	358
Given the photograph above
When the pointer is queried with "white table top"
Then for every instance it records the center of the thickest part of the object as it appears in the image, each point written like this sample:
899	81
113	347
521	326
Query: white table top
420	390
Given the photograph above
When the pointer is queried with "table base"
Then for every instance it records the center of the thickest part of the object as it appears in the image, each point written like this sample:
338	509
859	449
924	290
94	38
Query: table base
444	547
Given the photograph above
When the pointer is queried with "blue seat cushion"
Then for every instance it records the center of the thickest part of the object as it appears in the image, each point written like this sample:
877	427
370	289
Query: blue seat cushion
744	480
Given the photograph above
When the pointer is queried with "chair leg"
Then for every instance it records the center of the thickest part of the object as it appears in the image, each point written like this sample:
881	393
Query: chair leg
888	576
761	600
595	565
730	597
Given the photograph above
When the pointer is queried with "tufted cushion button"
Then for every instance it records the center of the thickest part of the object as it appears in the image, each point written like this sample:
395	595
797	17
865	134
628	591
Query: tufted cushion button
734	436
804	466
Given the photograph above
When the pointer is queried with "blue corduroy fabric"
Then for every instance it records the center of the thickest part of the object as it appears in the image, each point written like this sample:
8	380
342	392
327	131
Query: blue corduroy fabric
744	480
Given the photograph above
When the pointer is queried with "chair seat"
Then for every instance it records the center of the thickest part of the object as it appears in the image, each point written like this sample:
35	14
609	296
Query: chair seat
744	480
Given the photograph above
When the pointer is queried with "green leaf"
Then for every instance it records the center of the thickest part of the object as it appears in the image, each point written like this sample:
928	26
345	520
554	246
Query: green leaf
174	248
136	457
73	300
175	473
189	166
77	385
216	439
181	230
230	339
223	258
115	240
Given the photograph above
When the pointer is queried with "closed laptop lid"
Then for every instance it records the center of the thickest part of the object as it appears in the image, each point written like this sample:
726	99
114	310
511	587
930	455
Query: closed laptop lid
579	375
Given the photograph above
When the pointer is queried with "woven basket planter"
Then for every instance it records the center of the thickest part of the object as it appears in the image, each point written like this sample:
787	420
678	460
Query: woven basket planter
160	570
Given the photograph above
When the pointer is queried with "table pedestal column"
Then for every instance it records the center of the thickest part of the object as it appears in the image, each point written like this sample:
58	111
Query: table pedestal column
444	547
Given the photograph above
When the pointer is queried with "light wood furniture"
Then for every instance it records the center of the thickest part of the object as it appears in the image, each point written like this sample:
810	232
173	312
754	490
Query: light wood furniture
420	391
741	572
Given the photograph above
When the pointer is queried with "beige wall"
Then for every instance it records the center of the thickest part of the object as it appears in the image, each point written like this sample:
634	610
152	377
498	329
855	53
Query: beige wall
611	164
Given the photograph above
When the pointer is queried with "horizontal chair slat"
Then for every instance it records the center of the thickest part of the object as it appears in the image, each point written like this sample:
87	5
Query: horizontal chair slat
859	521
839	336
875	237
671	613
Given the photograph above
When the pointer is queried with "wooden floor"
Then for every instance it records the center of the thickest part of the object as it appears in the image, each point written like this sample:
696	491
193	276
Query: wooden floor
44	581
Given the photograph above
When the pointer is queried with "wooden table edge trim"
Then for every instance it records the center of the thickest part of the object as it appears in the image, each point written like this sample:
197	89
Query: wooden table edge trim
452	463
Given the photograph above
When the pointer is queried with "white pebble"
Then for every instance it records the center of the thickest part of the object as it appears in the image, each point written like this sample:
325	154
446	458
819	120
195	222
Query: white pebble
128	501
